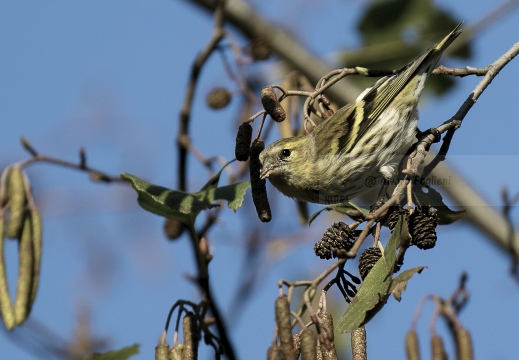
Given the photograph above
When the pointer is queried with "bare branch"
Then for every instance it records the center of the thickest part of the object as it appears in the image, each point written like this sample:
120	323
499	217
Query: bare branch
95	175
185	112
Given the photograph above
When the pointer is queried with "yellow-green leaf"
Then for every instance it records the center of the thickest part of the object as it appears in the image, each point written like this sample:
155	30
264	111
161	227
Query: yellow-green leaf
183	206
378	284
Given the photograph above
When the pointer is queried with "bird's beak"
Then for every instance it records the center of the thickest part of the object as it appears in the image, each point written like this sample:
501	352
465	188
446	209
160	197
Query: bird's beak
265	169
264	173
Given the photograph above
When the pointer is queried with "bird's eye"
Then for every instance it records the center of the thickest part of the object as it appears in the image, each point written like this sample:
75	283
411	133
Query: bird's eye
285	153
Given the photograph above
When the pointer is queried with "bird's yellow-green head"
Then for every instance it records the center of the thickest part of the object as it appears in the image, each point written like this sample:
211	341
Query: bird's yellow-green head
287	164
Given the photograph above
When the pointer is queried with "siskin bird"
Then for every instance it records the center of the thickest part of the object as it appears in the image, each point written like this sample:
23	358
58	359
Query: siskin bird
359	145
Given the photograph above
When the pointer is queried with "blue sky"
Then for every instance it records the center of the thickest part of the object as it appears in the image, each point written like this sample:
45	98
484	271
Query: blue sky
110	76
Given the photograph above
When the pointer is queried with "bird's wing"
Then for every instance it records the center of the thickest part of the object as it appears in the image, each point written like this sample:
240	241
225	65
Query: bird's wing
374	100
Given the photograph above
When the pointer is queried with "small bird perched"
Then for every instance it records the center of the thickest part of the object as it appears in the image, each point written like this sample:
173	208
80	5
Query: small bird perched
359	145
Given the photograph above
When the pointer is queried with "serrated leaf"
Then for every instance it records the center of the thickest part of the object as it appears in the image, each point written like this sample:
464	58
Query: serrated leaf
435	199
375	289
121	354
183	206
399	283
163	201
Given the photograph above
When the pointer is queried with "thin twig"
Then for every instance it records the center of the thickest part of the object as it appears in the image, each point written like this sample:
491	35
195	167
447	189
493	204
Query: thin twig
185	113
95	174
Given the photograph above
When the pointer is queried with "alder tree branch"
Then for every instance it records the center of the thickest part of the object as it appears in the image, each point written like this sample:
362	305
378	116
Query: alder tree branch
95	175
288	48
183	139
